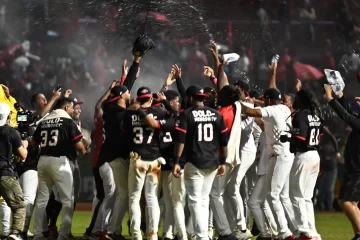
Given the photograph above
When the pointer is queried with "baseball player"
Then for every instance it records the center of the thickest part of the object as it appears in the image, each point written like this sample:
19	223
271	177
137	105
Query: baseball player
201	132
145	163
114	111
276	121
258	204
57	134
231	112
304	142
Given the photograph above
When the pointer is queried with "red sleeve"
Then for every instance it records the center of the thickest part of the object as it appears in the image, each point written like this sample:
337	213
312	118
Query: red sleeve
122	80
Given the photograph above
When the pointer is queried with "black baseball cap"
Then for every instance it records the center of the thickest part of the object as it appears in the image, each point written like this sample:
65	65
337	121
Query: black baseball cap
273	94
193	91
116	92
144	92
171	95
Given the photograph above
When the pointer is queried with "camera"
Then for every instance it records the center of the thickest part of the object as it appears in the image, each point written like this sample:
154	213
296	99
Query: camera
26	122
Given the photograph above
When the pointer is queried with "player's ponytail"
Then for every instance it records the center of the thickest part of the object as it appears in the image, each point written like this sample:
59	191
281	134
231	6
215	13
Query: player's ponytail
306	100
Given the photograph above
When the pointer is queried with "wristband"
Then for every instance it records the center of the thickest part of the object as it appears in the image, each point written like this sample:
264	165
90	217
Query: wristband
176	160
222	160
141	113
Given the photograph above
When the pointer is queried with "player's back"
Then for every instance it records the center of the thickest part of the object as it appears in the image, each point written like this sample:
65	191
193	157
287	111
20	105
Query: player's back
143	139
307	129
204	127
56	135
277	121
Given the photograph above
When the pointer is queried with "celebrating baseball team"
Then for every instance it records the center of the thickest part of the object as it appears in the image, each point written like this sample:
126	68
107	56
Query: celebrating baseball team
218	159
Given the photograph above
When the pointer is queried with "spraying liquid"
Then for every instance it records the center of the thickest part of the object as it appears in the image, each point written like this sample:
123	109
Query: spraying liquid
203	22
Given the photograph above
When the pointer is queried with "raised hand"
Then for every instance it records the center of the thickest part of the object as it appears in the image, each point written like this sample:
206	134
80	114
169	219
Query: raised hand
68	93
209	72
328	92
213	48
125	69
177	71
170	80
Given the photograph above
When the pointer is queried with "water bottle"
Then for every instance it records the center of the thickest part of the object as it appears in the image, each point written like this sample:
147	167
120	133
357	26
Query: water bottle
231	57
275	59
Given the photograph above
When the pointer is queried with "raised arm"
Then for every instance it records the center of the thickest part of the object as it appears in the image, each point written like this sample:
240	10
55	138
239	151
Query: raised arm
272	82
98	110
345	104
222	78
351	120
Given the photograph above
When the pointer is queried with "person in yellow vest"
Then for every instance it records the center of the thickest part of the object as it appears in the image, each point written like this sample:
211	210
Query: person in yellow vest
5	97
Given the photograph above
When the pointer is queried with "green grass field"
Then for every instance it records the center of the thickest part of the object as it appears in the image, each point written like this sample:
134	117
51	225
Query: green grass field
331	226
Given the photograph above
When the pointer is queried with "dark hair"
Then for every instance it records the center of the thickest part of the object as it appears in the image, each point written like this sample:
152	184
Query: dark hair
34	99
62	102
143	100
304	99
292	97
228	95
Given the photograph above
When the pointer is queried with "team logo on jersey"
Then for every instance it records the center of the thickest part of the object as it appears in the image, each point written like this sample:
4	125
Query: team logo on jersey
162	122
204	116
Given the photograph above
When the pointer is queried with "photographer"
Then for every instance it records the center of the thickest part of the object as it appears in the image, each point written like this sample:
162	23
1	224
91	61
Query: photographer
10	142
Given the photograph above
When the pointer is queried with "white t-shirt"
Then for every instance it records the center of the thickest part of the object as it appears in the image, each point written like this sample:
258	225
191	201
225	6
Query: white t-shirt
264	156
277	120
247	143
257	133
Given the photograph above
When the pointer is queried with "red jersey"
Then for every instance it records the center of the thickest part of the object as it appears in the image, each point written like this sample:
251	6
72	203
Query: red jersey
228	114
99	139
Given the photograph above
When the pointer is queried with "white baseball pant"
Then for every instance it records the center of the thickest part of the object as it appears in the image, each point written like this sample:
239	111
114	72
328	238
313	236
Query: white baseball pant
198	183
107	202
169	221
54	171
29	184
5	217
304	173
144	173
237	219
219	185
120	169
260	208
178	195
277	180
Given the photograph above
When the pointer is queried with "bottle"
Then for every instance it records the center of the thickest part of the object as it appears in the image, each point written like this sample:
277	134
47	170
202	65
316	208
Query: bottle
231	57
275	59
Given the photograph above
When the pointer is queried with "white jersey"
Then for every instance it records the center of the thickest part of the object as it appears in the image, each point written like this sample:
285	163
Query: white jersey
264	156
247	143
277	120
257	133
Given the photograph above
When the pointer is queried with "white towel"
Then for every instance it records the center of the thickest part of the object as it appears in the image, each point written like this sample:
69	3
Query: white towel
233	157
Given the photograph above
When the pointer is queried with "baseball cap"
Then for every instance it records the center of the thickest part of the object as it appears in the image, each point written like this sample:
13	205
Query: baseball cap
77	101
195	91
272	93
116	92
144	92
4	113
171	95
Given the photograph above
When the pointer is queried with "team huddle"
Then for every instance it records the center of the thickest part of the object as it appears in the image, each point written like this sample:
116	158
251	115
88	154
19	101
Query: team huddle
215	158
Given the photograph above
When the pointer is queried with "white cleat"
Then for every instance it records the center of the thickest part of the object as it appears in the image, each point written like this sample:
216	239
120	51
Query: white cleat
211	233
243	235
318	237
29	234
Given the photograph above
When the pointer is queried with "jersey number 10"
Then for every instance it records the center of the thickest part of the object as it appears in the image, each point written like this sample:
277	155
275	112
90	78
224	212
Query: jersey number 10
314	137
205	132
